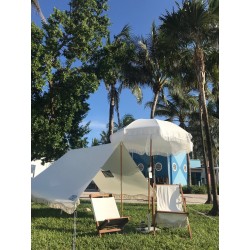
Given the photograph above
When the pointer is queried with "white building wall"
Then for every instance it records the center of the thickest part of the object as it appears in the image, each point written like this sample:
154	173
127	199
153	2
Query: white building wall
37	167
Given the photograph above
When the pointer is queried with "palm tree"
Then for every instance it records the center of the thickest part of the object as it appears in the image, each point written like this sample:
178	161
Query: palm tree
195	26
177	107
95	142
35	4
126	120
105	138
111	61
148	67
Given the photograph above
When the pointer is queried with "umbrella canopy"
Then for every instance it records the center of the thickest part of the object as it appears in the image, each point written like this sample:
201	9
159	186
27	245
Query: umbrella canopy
165	138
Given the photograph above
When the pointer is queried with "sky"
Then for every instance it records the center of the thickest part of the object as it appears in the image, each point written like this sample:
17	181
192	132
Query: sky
139	14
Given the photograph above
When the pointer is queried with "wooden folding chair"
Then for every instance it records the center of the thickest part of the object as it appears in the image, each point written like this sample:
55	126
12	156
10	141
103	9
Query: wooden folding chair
171	208
106	214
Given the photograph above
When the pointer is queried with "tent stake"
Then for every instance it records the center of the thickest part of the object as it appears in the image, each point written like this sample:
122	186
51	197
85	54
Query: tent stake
74	231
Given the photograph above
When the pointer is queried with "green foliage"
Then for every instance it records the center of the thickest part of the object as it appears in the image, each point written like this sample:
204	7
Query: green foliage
148	65
111	62
195	25
63	77
199	189
95	142
51	229
111	59
126	120
186	189
194	189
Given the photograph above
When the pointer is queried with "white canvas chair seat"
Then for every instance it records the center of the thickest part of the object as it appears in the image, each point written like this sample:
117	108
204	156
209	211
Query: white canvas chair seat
106	214
171	207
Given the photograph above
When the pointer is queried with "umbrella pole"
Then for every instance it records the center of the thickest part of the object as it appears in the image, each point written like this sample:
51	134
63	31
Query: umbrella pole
121	178
153	176
150	165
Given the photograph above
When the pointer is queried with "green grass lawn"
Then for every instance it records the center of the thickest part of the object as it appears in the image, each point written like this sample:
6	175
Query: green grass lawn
53	229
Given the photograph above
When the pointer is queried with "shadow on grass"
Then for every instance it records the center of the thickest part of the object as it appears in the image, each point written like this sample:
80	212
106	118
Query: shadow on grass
81	233
56	213
60	230
48	212
128	230
94	233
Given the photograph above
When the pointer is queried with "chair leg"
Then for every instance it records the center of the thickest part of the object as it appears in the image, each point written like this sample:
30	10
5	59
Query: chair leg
99	233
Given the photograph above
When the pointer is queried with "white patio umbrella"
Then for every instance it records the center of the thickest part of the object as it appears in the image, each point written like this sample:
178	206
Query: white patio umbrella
153	137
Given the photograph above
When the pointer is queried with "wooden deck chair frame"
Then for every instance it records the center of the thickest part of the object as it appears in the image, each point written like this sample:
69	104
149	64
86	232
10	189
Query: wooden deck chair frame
108	225
184	207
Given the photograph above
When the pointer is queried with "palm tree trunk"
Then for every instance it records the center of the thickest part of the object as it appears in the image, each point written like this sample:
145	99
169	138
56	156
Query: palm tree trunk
36	5
111	111
118	113
209	196
200	73
152	115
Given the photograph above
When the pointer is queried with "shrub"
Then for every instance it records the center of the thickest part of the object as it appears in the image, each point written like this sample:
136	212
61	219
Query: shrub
194	189
199	189
186	189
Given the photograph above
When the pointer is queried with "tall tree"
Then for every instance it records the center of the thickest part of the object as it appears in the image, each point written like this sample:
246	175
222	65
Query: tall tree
149	67
63	78
194	25
111	61
196	128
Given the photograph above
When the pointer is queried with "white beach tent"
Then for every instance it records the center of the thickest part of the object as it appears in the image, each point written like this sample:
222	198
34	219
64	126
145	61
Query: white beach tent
110	166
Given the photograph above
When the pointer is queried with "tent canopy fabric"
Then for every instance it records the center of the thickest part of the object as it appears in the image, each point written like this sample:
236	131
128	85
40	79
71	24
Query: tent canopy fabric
61	185
133	181
163	137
